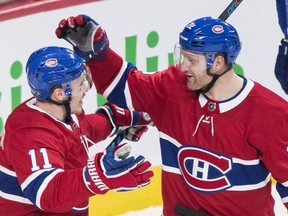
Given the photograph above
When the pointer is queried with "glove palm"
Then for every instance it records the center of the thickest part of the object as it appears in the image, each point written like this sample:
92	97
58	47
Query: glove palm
87	37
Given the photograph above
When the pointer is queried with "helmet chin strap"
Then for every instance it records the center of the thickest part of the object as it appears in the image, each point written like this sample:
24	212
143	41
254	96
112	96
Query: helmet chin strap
66	104
215	78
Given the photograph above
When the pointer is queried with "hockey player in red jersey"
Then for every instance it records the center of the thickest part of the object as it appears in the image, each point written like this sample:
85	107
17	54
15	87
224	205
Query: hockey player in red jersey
45	164
222	136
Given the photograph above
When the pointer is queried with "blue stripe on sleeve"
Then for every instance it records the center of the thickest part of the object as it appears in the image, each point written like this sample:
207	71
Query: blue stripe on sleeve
117	96
32	189
10	185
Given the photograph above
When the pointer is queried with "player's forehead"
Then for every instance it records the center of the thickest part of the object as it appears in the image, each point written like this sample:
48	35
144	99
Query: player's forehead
192	54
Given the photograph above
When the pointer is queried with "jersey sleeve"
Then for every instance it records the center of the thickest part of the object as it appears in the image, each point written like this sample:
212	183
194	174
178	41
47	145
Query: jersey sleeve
126	86
275	154
97	126
121	82
38	158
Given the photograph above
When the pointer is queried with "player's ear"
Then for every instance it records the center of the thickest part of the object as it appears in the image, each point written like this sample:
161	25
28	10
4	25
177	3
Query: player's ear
58	94
219	60
219	63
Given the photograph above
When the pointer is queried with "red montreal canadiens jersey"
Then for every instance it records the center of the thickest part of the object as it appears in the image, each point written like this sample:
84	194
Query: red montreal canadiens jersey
42	160
218	156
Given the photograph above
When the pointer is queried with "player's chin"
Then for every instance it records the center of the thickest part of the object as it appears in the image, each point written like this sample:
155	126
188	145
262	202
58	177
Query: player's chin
77	110
192	86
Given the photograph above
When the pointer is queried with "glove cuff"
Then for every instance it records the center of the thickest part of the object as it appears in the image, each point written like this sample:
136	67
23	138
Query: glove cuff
144	118
106	111
94	178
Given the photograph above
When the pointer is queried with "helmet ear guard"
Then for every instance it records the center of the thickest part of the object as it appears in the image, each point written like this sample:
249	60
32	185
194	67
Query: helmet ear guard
210	57
211	36
67	89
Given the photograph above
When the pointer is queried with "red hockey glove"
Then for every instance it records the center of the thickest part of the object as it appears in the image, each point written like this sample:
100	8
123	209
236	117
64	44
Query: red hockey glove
87	37
106	171
121	118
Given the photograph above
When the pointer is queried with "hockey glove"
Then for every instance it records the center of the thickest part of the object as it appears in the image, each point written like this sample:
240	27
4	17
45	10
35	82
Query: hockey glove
87	37
106	171
122	118
135	133
281	65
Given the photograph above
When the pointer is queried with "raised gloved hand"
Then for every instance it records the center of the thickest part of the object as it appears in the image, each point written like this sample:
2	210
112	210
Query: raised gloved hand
281	65
122	118
107	171
87	37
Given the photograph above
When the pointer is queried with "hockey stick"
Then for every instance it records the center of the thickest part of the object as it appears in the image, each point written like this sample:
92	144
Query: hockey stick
286	9
118	138
230	9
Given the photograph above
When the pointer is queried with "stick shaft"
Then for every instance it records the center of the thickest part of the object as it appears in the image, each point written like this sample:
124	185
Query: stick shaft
286	10
118	138
230	9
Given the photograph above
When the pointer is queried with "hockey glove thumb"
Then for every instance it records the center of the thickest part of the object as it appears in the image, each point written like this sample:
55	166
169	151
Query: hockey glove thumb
106	171
87	37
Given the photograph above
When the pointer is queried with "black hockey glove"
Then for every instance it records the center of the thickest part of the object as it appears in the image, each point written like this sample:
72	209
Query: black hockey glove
87	37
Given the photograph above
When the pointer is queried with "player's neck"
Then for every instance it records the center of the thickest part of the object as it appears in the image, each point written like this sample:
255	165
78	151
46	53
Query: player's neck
54	110
226	87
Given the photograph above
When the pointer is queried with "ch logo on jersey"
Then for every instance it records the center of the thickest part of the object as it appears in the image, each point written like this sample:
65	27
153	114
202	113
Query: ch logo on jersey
203	170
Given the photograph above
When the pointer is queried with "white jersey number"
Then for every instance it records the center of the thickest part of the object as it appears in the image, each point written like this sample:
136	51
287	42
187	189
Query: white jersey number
44	154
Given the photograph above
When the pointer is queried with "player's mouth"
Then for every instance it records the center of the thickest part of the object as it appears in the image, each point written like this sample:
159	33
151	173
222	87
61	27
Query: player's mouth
189	77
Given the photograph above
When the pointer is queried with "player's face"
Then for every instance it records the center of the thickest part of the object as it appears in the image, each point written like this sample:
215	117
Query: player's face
79	88
194	66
